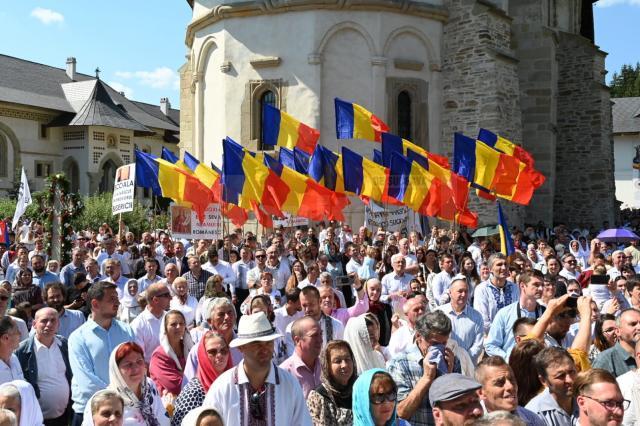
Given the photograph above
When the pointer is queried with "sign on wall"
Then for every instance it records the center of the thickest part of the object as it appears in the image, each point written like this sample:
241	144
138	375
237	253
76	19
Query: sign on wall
124	189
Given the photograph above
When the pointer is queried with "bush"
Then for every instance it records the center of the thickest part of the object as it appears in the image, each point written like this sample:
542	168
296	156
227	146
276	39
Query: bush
97	210
8	207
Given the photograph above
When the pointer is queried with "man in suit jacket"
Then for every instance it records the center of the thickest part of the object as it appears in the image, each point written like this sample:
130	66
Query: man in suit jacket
44	358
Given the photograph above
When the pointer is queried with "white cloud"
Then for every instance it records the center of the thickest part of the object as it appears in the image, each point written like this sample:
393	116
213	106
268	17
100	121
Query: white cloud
609	3
119	87
47	16
160	78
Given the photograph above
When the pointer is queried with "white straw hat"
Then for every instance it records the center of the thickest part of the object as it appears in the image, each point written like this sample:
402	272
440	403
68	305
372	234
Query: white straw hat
254	328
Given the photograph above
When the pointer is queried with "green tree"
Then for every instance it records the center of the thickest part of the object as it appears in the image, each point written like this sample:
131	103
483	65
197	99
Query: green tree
626	83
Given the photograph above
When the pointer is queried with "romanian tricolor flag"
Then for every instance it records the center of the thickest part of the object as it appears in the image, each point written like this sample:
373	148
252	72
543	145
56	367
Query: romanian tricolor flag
307	198
364	177
169	156
355	122
505	146
248	183
279	128
492	171
506	243
295	159
209	177
170	181
326	169
433	163
436	198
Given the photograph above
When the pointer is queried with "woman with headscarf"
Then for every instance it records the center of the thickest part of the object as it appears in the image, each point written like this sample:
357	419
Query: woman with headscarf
581	255
330	403
128	378
361	333
202	416
214	359
19	397
375	397
168	361
183	301
129	307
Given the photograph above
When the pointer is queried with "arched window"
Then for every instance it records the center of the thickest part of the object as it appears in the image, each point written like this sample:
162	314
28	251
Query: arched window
404	115
267	98
73	174
4	155
108	176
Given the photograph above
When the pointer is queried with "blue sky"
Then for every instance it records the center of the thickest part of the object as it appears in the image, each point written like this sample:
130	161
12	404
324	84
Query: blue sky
139	44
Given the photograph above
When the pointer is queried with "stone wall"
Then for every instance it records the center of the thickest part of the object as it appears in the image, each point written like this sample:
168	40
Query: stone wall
585	189
186	107
480	84
536	45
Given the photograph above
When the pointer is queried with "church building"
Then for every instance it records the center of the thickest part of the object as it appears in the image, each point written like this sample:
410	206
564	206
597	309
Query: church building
526	69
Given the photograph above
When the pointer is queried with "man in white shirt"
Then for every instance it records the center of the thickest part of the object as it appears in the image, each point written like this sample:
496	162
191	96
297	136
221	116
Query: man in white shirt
256	390
109	252
395	285
9	340
146	326
403	336
278	269
220	267
44	358
288	313
411	262
569	267
241	269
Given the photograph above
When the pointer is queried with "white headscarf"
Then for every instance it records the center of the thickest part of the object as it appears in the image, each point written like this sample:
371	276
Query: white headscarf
187	342
30	412
192	416
357	335
129	301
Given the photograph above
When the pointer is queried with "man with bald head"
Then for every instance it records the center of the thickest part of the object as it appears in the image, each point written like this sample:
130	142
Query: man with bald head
44	358
304	364
620	358
146	326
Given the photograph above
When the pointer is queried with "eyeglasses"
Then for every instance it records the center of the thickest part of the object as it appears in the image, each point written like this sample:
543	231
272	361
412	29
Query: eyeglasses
611	404
571	261
255	409
379	398
214	352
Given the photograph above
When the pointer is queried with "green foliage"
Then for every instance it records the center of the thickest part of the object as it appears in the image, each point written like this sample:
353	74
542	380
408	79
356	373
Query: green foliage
97	210
626	83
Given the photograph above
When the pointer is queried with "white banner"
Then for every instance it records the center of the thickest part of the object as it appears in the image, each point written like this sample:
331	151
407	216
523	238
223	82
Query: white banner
185	224
124	189
394	218
290	221
24	199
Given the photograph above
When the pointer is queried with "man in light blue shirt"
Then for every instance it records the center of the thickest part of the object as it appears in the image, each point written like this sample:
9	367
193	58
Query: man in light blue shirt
395	285
68	272
91	345
41	276
501	340
466	322
442	281
497	292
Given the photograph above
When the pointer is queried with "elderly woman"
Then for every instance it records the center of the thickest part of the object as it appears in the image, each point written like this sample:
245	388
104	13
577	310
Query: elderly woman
168	361
18	396
375	399
213	359
106	409
362	335
330	403
128	377
129	307
183	301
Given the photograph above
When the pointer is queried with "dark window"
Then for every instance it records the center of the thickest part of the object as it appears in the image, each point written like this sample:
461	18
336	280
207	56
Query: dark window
43	170
43	131
267	98
404	115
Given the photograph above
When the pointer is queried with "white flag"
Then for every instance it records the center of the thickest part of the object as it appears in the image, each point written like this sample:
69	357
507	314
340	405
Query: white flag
24	199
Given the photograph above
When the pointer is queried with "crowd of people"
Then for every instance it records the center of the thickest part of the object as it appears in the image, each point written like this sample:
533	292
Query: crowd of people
320	326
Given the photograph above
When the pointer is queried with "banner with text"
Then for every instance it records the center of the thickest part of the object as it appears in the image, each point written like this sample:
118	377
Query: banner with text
124	189
394	218
185	224
290	221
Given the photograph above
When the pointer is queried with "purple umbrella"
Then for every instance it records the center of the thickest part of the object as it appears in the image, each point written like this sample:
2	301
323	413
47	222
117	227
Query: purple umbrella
617	235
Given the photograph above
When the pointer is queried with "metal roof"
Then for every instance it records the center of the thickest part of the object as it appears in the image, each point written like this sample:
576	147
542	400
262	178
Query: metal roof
626	115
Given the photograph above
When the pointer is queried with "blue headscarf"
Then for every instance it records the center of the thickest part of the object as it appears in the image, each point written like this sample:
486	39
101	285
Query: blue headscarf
361	410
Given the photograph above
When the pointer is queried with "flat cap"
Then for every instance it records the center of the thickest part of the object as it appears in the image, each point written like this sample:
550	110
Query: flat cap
451	386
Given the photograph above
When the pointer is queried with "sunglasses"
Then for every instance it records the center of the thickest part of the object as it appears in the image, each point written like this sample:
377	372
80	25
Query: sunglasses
260	256
379	398
255	409
214	352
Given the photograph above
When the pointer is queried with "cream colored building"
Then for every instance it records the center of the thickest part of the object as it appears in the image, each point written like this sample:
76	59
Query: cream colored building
626	137
56	119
